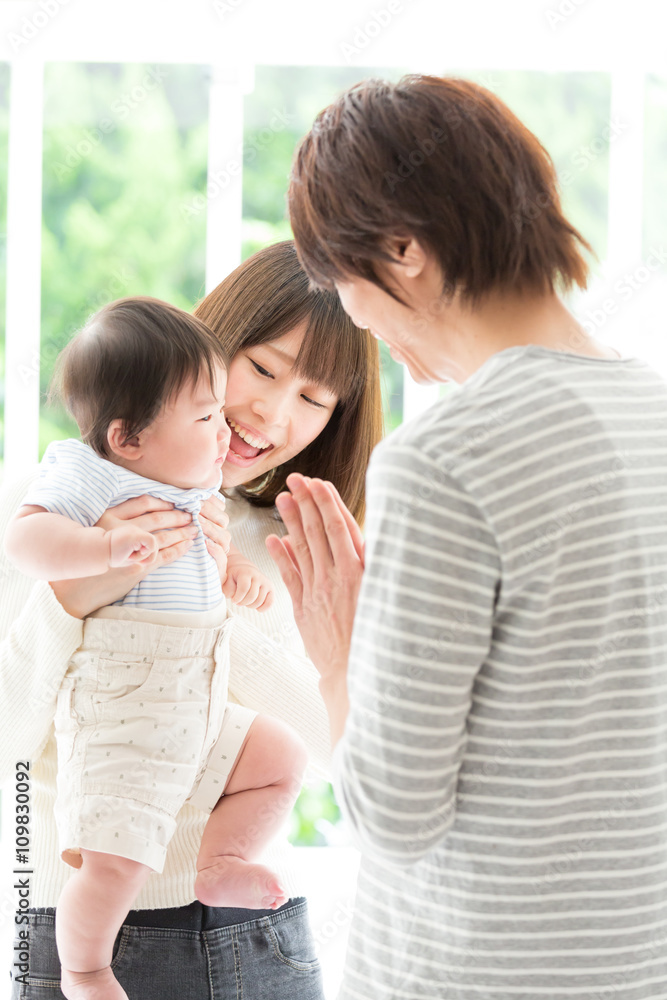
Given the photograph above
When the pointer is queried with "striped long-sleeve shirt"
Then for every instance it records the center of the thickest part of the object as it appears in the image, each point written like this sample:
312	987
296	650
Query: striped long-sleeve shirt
504	764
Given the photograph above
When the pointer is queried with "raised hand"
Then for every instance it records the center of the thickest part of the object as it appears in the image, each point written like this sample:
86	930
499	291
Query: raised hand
321	561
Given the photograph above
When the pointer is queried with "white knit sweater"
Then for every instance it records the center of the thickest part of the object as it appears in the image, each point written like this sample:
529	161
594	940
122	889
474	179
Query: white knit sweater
269	673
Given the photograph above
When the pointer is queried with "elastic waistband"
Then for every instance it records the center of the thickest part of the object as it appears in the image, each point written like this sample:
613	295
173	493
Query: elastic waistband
196	917
166	637
173	619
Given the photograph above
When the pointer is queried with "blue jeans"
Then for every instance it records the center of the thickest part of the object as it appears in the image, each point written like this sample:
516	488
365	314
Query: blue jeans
193	952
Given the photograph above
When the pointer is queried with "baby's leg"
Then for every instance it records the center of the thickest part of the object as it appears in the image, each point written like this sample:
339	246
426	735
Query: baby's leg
258	797
90	911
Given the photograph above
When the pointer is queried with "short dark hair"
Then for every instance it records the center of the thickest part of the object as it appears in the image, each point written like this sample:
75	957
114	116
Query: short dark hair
128	361
444	161
269	295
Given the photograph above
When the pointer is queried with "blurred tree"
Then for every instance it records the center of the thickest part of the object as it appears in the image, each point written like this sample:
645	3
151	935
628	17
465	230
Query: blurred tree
567	111
125	151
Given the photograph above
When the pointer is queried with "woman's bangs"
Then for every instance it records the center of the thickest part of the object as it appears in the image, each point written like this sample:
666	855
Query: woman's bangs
331	353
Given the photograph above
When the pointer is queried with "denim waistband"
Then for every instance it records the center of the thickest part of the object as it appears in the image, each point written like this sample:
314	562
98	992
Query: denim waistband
194	917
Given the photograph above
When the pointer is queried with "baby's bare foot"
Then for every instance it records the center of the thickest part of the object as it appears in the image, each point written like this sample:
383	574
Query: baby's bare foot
98	985
231	881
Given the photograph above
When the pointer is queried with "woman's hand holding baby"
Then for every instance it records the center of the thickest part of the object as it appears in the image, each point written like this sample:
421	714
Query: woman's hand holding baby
174	534
214	520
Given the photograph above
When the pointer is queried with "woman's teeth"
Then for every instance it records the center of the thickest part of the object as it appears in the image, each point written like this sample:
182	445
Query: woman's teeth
255	442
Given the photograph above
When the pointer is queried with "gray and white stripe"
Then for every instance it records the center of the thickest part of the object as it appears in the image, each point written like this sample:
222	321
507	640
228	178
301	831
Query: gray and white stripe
504	765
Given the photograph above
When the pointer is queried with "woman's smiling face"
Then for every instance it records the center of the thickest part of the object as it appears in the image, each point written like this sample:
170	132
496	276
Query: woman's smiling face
273	413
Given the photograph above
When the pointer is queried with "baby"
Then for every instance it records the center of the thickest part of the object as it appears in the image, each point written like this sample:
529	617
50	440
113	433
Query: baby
141	721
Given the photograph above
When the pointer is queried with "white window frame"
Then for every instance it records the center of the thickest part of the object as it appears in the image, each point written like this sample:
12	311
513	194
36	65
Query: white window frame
232	37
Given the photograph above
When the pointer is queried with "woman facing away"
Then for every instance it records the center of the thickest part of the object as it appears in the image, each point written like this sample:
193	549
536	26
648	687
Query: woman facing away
503	754
304	387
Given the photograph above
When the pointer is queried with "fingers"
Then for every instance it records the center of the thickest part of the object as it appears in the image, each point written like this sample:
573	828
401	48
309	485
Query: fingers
140	505
173	552
147	550
284	559
266	602
261	602
145	512
216	532
249	590
308	539
164	520
325	526
354	529
220	556
288	548
213	509
165	539
343	534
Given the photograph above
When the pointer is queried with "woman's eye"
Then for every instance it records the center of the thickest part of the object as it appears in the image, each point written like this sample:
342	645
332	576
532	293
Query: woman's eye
309	400
258	368
204	419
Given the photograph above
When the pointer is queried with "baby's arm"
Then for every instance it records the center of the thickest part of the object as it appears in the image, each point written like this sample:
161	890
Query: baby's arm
53	547
244	584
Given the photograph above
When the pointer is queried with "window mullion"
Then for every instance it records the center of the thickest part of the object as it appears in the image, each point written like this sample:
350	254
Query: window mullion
24	260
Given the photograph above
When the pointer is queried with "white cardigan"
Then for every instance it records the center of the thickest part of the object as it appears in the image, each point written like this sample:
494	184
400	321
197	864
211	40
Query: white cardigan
269	673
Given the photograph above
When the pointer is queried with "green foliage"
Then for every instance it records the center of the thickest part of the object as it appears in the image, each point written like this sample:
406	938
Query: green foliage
279	111
315	816
124	153
567	112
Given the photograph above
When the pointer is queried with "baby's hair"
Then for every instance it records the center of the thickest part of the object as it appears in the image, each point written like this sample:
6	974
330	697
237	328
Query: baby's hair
128	361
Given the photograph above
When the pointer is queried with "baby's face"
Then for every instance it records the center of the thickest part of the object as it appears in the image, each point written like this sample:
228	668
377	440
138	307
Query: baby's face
187	443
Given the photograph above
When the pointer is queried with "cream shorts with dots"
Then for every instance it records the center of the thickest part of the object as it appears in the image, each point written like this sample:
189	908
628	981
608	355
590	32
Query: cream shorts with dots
142	724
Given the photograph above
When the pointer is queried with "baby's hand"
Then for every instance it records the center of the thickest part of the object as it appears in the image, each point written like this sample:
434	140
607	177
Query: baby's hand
245	585
129	546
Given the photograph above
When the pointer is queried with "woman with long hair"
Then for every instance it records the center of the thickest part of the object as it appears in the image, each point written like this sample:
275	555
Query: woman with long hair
304	382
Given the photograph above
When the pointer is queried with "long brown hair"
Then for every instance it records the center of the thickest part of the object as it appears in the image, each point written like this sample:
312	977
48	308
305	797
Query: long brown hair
269	295
440	159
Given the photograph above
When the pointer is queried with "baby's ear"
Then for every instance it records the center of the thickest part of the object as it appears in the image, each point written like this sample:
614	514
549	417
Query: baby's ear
120	446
